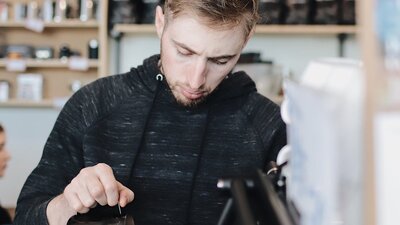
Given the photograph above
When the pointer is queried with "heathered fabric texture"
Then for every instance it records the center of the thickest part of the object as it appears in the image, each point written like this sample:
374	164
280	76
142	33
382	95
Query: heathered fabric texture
179	152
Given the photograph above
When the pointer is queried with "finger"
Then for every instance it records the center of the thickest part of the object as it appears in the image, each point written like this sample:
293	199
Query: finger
109	183
96	190
125	195
93	206
83	180
84	210
77	205
74	201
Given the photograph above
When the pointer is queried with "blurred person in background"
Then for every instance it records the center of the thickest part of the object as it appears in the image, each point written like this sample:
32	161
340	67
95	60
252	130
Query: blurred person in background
4	157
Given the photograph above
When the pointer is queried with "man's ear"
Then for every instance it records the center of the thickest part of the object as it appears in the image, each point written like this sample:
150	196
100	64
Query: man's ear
250	35
160	21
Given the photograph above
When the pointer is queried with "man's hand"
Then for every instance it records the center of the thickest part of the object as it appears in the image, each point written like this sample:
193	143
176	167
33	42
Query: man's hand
93	185
96	185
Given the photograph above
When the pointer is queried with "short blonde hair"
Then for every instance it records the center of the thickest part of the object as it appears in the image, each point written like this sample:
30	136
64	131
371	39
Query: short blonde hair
223	14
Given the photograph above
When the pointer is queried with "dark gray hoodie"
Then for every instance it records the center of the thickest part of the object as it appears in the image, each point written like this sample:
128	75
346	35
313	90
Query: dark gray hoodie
169	155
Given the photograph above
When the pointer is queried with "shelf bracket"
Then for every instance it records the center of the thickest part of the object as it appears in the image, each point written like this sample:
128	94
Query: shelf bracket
117	36
342	37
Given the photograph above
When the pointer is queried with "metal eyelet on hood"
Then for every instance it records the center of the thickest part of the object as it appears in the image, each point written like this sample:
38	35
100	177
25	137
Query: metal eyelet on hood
159	77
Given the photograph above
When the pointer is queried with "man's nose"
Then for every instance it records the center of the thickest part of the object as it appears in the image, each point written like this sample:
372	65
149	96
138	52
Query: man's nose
198	78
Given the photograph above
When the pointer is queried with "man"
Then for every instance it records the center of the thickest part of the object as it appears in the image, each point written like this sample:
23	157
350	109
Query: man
156	139
4	158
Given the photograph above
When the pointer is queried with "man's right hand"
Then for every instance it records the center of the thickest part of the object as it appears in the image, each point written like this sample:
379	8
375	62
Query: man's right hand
93	185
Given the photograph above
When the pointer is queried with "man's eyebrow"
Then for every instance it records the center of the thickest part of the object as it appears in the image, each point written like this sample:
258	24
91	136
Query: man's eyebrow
227	57
194	52
184	46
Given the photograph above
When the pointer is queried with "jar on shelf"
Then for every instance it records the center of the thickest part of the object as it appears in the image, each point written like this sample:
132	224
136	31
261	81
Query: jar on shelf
326	12
297	11
271	11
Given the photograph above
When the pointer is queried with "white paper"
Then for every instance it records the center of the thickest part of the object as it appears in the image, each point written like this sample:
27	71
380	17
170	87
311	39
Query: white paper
78	63
4	90
36	25
16	65
3	11
30	87
387	159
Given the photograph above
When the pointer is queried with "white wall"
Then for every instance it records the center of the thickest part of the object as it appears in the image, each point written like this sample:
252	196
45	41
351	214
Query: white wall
28	129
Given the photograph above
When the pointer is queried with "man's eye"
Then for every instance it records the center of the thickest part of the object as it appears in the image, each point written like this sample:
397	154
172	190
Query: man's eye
220	62
185	53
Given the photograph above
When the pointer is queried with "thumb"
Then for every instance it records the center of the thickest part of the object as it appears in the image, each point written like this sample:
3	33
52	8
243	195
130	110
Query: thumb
125	195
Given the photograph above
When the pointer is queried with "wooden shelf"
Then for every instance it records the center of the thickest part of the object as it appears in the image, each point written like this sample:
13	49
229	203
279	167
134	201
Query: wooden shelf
58	75
134	28
50	63
260	29
70	23
27	104
306	29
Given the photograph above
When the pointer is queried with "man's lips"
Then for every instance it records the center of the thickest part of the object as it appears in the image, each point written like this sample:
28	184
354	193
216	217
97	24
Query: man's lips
191	94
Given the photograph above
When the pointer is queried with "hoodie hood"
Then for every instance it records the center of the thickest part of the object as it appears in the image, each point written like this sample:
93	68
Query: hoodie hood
233	86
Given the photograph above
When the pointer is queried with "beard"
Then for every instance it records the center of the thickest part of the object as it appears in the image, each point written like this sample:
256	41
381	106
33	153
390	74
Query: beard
188	103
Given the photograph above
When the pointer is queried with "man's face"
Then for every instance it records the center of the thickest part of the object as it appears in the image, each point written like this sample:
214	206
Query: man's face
196	58
4	155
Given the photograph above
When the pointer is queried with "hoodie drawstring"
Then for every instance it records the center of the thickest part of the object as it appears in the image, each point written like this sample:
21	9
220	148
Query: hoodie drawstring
159	78
197	168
